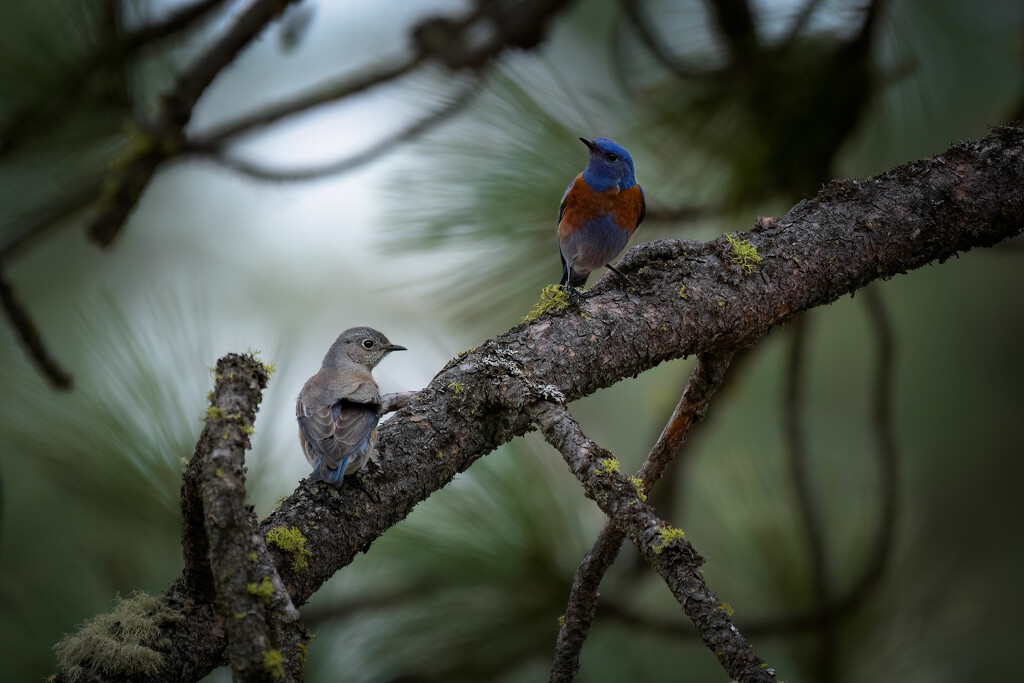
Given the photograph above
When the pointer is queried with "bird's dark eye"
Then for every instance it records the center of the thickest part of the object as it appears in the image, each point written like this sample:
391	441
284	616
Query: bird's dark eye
367	343
611	156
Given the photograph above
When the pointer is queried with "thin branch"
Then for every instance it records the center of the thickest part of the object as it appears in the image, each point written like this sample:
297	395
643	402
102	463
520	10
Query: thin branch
192	83
443	39
373	153
707	377
827	614
803	18
121	201
167	131
343	608
40	114
340	89
48	218
579	614
449	41
888	455
682	213
115	207
28	334
662	547
734	20
637	17
798	461
810	519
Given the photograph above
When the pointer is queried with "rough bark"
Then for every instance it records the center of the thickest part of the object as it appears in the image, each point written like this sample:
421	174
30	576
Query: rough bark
266	640
579	614
852	233
662	547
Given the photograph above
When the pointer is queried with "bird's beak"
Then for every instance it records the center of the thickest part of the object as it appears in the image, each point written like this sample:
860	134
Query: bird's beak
396	347
588	143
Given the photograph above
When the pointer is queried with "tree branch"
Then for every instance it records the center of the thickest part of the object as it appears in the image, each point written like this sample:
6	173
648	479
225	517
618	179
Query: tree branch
888	455
662	547
813	531
469	41
168	131
851	234
339	89
412	131
579	614
28	334
266	640
453	42
392	402
637	17
38	115
684	213
734	21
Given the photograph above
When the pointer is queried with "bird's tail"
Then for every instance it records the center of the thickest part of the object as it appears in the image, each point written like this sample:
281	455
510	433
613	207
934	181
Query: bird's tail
328	475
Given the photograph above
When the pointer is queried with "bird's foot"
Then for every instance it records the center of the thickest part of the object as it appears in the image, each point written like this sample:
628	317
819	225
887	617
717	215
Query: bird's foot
573	294
626	281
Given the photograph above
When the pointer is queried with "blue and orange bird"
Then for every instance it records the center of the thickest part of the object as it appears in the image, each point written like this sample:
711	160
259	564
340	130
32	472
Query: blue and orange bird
339	407
600	210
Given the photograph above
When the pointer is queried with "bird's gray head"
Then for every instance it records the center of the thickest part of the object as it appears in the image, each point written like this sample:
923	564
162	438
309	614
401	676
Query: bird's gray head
362	345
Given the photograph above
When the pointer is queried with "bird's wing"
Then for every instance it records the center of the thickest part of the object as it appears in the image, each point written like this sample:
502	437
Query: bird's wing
630	208
643	208
337	432
561	212
565	195
343	428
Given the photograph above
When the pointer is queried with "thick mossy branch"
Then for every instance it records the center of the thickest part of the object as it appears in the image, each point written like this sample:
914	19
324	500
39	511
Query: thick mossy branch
257	612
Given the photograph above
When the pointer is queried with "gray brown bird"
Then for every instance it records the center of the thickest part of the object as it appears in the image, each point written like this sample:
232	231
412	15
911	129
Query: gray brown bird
339	407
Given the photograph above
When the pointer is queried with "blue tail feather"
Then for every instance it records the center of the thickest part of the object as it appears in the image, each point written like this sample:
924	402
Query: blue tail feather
326	474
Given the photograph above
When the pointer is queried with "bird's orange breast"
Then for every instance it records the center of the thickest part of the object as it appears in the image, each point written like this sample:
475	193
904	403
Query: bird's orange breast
582	205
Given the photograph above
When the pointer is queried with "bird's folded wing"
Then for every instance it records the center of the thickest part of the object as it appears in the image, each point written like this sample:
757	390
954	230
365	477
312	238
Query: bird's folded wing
643	207
565	195
340	430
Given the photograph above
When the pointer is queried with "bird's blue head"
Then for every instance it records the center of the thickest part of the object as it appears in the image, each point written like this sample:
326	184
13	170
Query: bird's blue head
609	165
